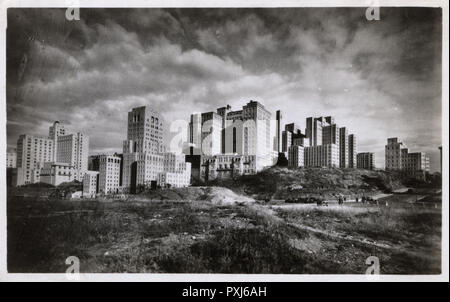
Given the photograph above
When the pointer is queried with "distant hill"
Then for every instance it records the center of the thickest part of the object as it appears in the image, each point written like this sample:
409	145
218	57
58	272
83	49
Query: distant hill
282	183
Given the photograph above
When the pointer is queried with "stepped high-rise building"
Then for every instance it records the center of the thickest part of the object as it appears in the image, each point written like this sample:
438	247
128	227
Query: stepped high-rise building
395	152
314	130
323	131
398	158
141	149
240	132
54	131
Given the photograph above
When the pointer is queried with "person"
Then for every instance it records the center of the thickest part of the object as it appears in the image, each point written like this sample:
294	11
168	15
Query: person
340	200
356	199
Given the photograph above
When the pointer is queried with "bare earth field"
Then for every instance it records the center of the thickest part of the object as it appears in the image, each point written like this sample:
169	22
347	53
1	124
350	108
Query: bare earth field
200	236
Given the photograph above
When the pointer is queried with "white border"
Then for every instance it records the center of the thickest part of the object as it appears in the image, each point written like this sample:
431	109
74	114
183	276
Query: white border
4	276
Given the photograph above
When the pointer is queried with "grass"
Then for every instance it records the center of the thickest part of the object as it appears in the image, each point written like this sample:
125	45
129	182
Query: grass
200	237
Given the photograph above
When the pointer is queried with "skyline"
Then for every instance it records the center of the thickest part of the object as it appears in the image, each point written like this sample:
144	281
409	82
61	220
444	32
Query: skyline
304	60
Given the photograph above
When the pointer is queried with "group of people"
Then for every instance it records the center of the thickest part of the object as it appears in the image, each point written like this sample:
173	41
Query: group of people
364	199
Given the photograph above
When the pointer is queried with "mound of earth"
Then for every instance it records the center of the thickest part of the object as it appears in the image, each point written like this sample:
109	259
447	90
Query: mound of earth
283	183
216	195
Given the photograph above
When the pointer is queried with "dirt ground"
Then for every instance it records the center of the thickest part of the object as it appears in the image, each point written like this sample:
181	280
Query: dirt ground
187	236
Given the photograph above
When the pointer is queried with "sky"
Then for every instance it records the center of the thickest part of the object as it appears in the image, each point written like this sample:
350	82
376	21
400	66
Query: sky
379	78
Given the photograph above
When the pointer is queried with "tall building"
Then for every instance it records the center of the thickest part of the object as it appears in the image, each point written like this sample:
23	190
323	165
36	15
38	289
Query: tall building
314	130
343	148
73	149
395	152
279	118
90	184
11	159
322	156
144	141
286	140
293	141
109	174
212	133
241	132
398	157
195	134
365	160
296	156
176	171
352	151
31	150
54	131
417	165
330	134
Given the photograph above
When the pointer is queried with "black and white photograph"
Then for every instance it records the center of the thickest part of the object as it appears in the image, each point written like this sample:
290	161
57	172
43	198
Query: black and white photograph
265	140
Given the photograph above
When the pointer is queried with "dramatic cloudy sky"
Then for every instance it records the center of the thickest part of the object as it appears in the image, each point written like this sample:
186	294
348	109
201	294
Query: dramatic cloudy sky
379	78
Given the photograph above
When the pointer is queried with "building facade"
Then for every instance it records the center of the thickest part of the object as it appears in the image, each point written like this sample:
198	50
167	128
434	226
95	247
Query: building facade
225	166
11	159
55	173
352	151
31	150
395	152
109	174
398	158
54	131
343	148
90	184
141	148
365	160
241	132
296	156
322	156
74	150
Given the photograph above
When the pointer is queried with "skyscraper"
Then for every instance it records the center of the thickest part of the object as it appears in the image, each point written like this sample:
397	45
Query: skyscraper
140	151
195	134
73	149
240	132
314	130
352	151
394	154
343	148
279	118
57	129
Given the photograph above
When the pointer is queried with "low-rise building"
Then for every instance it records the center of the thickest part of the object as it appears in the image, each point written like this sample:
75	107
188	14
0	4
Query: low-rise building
227	166
55	173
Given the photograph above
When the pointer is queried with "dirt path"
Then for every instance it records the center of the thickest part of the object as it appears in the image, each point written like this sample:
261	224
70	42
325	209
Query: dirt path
342	236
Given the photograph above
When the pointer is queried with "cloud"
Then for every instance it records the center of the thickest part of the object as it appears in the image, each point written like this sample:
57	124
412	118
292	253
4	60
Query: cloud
379	79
